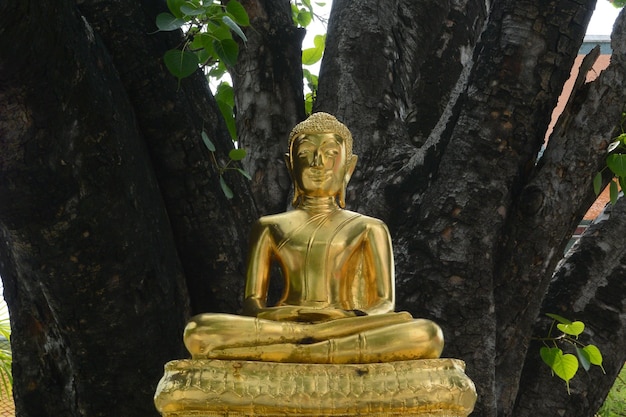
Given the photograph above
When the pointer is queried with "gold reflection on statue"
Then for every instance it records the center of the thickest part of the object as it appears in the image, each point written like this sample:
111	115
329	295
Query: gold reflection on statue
338	298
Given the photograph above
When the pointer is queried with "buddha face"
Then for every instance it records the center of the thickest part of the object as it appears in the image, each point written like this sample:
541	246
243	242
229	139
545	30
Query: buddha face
319	165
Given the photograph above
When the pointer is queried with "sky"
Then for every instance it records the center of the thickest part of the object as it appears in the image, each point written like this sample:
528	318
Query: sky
602	20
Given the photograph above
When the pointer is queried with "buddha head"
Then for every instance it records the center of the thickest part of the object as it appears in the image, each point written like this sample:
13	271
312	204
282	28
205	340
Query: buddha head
320	158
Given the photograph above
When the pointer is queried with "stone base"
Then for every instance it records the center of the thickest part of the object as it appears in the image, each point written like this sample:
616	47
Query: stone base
218	388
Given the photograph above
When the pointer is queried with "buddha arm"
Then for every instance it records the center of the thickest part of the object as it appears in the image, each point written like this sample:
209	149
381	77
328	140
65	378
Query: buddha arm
380	265
259	263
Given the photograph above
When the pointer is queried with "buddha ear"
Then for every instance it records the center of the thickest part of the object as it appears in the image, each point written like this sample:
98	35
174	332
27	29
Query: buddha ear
296	190
350	165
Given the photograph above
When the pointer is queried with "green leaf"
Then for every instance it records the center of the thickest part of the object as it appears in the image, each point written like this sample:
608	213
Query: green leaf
583	358
573	329
238	12
234	27
617	163
597	184
559	318
218	71
219	31
174	6
181	63
207	142
244	173
595	357
229	118
311	55
613	192
308	103
225	93
548	355
226	189
565	367
167	22
622	182
192	10
237	154
227	50
304	18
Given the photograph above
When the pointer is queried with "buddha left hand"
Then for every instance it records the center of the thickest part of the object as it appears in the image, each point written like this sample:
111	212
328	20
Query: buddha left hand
305	314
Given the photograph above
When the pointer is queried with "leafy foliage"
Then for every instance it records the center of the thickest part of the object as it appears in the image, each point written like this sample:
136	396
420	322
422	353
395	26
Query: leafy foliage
303	15
233	156
618	3
565	365
615	403
208	28
616	163
6	358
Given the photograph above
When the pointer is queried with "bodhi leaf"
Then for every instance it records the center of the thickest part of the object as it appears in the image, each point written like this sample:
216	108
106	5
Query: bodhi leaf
617	164
573	329
238	13
564	366
174	6
226	189
244	173
613	192
597	183
558	318
229	118
548	355
207	142
234	27
181	63
595	357
311	55
237	154
583	358
227	50
167	22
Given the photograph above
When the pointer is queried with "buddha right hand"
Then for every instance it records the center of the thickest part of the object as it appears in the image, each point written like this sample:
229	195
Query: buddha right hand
303	314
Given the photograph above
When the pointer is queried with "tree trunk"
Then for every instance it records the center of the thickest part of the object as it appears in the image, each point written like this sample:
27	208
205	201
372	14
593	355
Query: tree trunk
269	98
92	280
210	231
114	228
588	286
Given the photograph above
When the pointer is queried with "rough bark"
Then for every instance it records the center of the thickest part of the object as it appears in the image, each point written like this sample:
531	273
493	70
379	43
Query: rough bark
91	274
558	194
453	231
210	230
594	271
376	76
109	200
588	286
269	98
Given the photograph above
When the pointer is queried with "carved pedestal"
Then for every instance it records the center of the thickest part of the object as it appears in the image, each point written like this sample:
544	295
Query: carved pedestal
212	388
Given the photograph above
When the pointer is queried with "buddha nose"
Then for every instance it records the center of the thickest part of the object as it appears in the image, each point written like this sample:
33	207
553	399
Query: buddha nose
317	160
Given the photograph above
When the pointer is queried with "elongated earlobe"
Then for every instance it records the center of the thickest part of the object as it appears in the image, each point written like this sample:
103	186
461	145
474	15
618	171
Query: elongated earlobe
350	165
297	193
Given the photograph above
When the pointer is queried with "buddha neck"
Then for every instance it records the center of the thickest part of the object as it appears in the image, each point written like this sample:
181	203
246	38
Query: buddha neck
318	205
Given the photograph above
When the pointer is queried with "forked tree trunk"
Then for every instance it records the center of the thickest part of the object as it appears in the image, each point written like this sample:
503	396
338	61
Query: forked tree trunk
114	228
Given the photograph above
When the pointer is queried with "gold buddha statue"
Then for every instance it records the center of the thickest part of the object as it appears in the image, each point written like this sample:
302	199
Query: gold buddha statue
338	298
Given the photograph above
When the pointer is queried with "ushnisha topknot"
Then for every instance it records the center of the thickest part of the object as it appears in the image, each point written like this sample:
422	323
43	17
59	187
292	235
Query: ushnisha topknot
323	123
